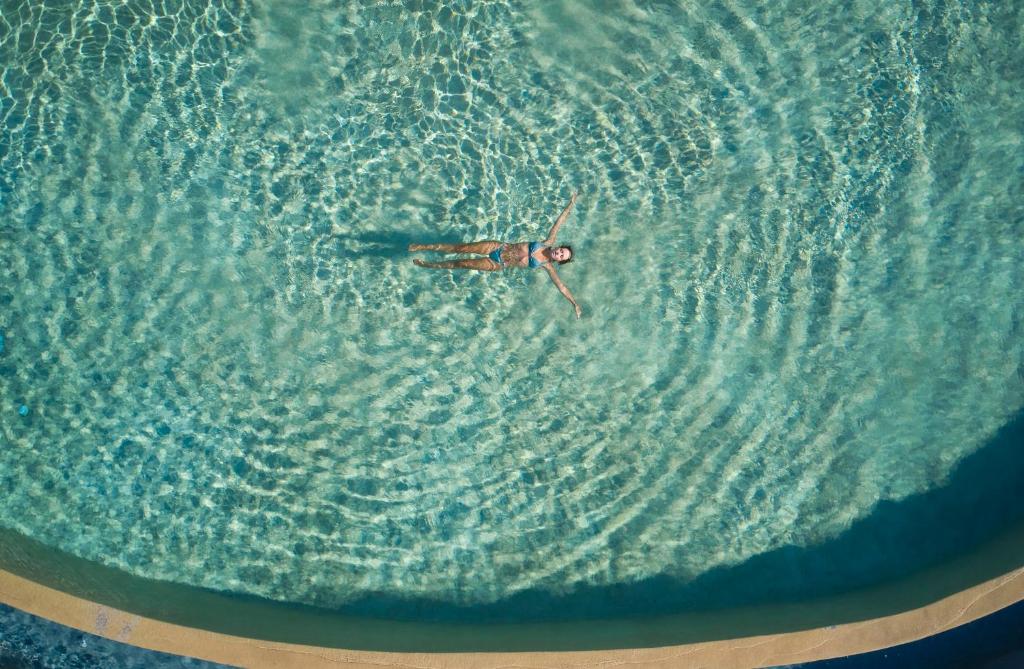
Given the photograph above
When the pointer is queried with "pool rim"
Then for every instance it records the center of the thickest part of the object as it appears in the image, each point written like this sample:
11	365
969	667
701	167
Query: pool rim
764	650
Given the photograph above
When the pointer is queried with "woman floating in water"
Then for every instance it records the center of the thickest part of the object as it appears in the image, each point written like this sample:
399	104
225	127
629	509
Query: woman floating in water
499	255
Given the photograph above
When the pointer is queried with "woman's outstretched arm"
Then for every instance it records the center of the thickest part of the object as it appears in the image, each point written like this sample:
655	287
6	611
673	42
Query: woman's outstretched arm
561	219
562	289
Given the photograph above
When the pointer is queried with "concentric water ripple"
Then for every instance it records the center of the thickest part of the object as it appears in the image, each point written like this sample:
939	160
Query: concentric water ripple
799	258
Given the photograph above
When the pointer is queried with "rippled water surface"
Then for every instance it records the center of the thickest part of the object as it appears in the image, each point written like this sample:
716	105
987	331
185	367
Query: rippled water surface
799	256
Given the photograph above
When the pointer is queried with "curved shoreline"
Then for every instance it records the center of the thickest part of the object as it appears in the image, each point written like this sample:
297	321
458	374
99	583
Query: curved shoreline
759	651
750	651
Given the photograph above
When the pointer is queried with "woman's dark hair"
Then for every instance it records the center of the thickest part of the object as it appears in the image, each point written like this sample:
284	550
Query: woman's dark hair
572	254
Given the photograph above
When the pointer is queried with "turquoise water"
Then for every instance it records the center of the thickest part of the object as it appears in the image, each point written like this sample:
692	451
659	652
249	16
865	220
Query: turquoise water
799	258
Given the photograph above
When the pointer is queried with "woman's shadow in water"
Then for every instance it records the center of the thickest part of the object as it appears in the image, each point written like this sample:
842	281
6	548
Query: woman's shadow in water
384	244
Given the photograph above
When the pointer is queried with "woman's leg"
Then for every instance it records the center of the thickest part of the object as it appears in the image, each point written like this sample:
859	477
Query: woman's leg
480	248
482	264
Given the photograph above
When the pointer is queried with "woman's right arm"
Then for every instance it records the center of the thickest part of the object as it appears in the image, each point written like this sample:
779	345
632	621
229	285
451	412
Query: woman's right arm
561	219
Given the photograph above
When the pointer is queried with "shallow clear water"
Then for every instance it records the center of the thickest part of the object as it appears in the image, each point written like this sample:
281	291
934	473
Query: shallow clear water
798	253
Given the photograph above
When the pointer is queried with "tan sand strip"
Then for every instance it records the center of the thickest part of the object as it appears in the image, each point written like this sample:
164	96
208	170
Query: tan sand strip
757	651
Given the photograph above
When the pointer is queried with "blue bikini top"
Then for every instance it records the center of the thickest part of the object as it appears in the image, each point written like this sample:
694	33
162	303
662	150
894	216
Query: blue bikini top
534	263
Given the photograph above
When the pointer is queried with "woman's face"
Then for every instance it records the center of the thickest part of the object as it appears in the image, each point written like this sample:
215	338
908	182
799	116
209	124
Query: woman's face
561	254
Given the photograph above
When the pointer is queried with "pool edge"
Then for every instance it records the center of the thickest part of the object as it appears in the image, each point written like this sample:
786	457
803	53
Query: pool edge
753	651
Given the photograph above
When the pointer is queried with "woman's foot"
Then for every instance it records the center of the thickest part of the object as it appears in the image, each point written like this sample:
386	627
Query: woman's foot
416	247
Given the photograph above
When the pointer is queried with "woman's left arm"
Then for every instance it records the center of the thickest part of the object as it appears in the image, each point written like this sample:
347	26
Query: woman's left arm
562	289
